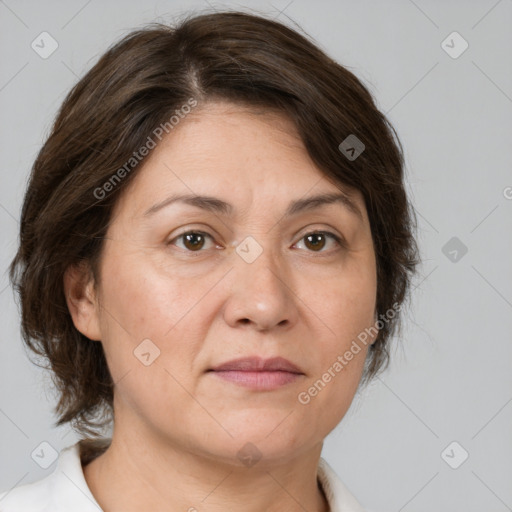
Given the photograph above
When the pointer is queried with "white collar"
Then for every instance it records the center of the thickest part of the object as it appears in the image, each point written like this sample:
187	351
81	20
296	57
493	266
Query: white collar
337	494
66	489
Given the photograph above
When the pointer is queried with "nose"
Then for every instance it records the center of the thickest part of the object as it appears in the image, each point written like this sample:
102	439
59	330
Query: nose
262	295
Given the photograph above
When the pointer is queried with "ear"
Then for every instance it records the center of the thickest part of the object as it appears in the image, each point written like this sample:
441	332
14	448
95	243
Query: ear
82	300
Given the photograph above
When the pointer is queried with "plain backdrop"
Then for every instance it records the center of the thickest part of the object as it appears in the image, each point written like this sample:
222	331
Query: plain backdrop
434	431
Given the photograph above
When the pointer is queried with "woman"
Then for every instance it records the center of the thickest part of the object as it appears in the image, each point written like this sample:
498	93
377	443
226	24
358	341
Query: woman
215	244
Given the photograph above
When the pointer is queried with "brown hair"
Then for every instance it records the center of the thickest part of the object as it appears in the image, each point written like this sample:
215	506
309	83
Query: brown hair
135	87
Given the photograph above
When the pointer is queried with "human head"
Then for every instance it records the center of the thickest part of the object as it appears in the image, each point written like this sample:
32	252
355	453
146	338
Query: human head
138	86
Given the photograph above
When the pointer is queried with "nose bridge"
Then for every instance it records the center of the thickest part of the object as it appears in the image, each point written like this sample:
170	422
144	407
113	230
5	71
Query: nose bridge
260	261
252	247
261	293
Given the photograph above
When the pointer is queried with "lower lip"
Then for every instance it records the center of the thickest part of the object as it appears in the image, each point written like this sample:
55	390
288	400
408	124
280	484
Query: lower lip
258	380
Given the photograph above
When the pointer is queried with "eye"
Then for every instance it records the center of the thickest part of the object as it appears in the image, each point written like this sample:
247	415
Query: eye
316	240
193	241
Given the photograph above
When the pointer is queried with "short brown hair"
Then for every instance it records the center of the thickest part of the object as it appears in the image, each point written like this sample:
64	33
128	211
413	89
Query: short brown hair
110	113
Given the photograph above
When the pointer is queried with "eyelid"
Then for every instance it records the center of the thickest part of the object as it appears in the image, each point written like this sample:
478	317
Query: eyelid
189	231
339	239
324	229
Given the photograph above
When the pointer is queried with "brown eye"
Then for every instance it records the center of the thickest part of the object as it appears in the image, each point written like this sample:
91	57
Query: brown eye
193	241
317	240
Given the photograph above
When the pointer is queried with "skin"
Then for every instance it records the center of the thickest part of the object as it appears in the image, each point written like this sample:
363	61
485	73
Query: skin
178	428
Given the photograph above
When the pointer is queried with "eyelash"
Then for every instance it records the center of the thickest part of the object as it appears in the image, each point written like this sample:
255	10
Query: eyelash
340	241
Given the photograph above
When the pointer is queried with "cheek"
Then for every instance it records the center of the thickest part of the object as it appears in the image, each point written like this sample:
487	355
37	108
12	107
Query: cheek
327	395
346	307
150	318
346	304
144	302
148	348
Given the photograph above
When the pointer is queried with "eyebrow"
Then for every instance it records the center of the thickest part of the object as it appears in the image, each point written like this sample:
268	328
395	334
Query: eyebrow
218	206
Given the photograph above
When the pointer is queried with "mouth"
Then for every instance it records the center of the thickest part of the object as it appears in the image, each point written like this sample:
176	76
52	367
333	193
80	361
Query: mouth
258	373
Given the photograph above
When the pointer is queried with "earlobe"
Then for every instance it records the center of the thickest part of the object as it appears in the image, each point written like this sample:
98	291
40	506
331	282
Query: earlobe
82	301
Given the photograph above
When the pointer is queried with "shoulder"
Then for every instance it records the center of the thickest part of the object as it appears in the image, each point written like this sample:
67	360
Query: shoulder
63	490
339	497
27	498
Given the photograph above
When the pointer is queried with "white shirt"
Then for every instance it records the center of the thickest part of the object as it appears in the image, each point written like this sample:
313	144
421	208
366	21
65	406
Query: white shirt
66	490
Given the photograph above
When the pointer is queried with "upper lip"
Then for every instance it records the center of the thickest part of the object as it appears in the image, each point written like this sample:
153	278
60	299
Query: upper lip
258	364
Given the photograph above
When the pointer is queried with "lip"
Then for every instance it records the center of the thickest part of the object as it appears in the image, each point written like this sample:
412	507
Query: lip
258	364
258	373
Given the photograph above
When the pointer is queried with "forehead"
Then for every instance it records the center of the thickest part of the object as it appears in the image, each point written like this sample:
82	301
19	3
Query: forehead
238	152
235	133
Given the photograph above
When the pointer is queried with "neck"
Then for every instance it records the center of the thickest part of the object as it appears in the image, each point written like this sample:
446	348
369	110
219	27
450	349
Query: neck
132	475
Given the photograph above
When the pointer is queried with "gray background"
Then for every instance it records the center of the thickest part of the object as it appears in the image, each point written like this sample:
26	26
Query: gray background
451	377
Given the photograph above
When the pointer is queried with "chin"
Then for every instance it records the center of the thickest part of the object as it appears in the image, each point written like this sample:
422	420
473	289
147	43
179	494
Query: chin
262	443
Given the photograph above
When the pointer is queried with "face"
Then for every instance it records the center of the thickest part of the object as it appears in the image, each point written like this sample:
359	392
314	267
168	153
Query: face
254	271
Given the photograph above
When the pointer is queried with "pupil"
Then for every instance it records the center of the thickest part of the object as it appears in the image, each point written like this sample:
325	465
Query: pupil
315	245
189	239
196	240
